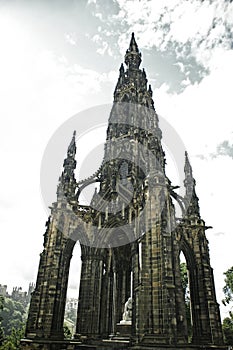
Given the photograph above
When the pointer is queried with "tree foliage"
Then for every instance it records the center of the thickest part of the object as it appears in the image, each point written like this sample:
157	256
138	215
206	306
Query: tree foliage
13	314
227	325
228	288
1	328
185	281
67	332
227	328
12	323
12	341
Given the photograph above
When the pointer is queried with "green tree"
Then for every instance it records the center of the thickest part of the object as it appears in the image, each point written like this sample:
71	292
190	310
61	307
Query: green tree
12	315
228	288
12	341
67	332
185	281
1	328
1	336
227	328
185	286
227	325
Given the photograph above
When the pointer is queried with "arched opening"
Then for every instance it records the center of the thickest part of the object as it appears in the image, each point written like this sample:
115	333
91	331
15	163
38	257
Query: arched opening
192	296
70	317
185	283
117	281
123	279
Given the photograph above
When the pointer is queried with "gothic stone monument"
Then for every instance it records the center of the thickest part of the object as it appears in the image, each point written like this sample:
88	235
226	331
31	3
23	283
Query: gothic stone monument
130	242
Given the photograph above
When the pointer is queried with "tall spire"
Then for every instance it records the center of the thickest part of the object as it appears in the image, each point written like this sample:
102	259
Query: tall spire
133	56
132	82
67	182
132	89
191	199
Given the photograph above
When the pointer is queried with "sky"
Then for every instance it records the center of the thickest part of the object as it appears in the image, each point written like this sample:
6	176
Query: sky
59	58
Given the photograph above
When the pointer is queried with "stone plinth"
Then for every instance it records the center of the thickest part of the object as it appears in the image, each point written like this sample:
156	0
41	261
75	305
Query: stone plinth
124	329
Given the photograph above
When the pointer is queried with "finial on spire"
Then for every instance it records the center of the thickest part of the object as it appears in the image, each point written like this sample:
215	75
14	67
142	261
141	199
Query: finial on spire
133	45
150	90
133	56
120	80
191	198
72	147
187	166
122	68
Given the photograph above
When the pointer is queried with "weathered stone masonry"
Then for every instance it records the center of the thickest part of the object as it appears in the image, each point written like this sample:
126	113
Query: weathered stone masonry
130	241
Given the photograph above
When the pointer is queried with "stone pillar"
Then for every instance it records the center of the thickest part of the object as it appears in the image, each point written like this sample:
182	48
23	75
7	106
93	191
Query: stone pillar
204	307
209	314
135	289
156	296
46	313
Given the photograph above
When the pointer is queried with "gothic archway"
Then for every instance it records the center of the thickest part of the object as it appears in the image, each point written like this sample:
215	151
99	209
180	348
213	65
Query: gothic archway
186	249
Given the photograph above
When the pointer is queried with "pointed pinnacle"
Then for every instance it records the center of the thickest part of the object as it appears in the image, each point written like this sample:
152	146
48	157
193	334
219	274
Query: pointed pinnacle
72	146
190	183
133	45
150	90
133	56
122	70
67	182
187	165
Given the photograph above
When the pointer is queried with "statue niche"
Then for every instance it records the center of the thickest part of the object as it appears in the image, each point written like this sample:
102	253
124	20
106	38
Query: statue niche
127	315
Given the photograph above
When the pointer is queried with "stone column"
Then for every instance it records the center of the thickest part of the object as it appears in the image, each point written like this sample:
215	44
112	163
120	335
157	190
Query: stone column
157	316
46	313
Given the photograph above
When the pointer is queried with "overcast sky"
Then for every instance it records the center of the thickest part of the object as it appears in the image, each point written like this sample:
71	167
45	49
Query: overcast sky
58	58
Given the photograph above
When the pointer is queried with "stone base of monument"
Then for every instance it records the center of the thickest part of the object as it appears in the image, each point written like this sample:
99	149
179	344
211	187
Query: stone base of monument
123	328
120	343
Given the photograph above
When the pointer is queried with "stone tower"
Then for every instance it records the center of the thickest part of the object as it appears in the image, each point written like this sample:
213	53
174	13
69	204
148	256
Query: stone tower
130	242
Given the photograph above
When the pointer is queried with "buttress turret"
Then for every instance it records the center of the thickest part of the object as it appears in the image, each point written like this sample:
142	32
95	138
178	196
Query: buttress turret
120	81
67	182
191	199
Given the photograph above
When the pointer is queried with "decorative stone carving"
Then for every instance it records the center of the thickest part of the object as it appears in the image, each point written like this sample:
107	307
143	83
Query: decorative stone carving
158	316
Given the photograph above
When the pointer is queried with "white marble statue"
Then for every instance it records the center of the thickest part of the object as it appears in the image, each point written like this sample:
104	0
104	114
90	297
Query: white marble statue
127	315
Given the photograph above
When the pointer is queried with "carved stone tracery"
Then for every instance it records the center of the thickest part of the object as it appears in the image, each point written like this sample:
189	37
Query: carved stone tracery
129	236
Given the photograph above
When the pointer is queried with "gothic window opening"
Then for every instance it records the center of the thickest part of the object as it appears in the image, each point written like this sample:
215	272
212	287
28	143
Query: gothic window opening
70	317
185	282
123	272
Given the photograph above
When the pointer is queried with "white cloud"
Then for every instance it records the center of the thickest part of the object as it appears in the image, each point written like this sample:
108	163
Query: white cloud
204	107
70	39
103	45
99	15
96	38
38	91
200	25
